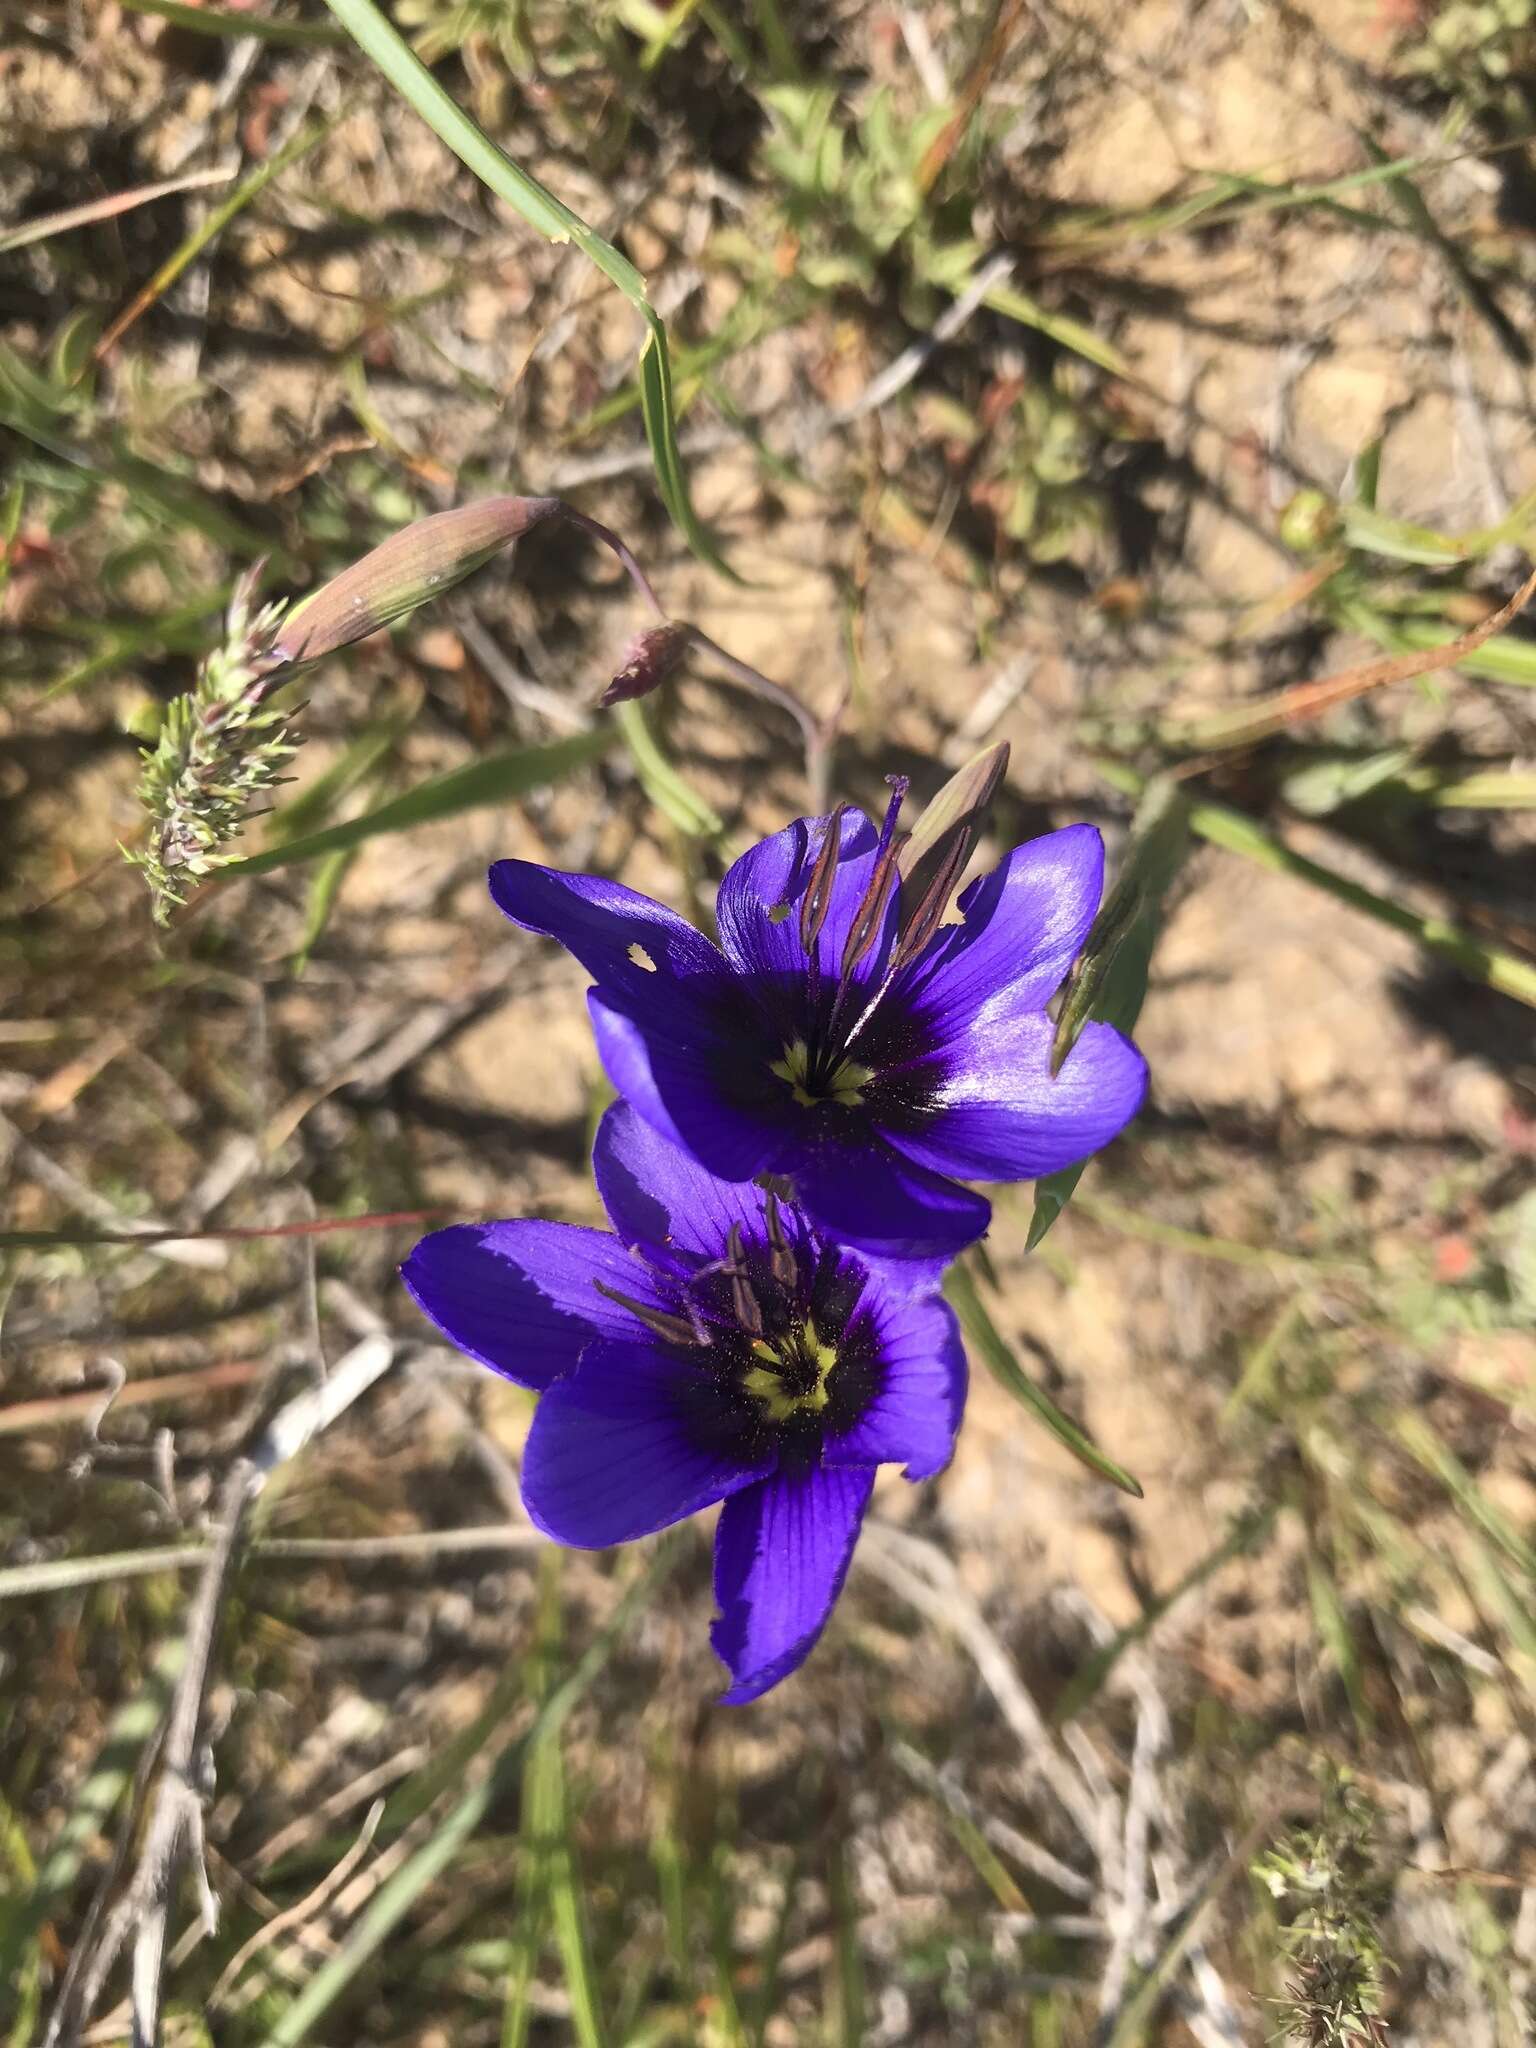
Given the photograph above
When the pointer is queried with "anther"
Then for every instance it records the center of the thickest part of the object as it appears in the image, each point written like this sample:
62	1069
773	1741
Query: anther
743	1301
781	1259
676	1329
929	912
869	918
817	900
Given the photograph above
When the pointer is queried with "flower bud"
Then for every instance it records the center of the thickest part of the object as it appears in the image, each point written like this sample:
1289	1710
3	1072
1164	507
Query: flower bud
404	572
1309	522
654	657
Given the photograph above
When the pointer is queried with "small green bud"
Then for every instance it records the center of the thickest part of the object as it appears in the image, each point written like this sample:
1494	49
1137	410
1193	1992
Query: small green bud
1309	522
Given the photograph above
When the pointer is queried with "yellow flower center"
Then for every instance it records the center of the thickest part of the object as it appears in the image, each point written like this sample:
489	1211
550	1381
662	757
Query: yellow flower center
842	1085
792	1380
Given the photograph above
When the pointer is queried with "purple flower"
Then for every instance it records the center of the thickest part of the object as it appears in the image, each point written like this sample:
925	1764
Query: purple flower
844	1037
717	1349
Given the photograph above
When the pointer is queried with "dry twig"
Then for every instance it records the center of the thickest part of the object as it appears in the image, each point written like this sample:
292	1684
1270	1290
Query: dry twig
175	1824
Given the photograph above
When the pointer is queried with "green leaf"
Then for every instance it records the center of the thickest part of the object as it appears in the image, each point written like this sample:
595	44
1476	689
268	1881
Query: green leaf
1066	333
498	779
1423	1444
324	888
1109	983
961	1291
1337	1635
1507	658
109	1777
1479	959
10	526
667	790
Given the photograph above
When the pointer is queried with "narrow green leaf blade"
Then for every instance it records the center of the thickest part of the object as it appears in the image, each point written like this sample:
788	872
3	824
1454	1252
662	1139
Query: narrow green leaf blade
380	41
1110	982
1479	959
499	779
996	1354
667	790
399	1893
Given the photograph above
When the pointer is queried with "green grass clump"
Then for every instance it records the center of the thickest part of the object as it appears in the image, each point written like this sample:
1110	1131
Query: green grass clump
1331	1893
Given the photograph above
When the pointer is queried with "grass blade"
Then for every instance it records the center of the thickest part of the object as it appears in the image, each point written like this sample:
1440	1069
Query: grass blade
1109	983
208	230
996	1354
216	21
554	220
498	779
1337	1636
848	2028
324	888
1243	726
1507	658
1427	1448
1491	789
544	1795
1493	966
1246	1534
395	1899
661	782
1065	332
10	525
131	1727
50	224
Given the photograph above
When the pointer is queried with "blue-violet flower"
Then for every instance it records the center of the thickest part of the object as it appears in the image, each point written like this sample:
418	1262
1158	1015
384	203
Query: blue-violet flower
718	1348
844	1037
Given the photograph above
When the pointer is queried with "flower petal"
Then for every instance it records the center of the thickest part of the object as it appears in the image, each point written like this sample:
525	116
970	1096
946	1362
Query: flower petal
913	1417
693	1085
1025	924
657	1194
633	1440
519	1296
999	1115
605	925
870	1196
781	1555
758	911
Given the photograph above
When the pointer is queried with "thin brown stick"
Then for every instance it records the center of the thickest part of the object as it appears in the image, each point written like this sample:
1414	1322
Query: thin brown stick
49	1411
978	78
296	1915
311	1226
175	1822
1301	701
93	210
